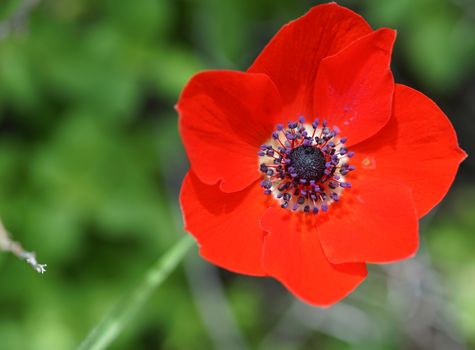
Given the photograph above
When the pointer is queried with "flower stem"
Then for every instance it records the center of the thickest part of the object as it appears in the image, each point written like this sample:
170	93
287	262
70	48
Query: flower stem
114	323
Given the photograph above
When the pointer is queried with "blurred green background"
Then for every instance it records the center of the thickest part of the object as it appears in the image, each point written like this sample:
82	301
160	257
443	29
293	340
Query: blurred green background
91	164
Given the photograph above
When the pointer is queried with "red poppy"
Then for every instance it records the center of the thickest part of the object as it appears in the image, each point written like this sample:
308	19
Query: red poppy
272	190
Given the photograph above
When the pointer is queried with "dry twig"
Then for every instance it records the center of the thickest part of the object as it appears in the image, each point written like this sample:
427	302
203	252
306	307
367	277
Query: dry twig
9	245
15	23
17	20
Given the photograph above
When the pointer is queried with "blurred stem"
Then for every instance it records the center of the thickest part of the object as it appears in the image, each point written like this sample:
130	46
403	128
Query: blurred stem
115	322
9	245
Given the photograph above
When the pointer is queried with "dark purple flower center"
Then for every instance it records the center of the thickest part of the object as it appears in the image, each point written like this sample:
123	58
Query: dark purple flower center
308	162
305	167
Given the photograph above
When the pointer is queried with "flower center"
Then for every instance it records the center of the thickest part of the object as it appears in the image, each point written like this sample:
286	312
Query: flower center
305	165
308	162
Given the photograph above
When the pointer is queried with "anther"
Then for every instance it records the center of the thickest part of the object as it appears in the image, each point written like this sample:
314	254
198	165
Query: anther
305	169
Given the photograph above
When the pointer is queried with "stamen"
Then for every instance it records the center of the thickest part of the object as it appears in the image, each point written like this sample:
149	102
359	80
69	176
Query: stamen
304	165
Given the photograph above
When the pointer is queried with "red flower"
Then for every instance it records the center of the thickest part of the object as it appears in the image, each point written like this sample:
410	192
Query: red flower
271	190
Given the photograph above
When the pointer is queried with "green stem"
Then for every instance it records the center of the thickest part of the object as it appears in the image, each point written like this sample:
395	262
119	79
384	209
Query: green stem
114	323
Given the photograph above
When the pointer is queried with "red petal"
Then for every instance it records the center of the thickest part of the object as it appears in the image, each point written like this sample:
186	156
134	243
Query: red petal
374	221
226	225
224	117
293	56
418	147
293	255
354	88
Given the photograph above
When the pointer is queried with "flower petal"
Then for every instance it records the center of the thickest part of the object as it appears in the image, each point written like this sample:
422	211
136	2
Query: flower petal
374	221
293	255
292	57
354	88
418	147
224	117
226	225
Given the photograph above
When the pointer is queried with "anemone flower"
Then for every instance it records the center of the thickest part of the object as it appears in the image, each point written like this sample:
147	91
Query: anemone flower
313	162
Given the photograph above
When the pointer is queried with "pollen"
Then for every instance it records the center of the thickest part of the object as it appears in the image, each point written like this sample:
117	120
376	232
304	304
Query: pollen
304	166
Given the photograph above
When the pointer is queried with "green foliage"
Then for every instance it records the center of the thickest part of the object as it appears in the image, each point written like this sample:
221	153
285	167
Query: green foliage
436	37
452	242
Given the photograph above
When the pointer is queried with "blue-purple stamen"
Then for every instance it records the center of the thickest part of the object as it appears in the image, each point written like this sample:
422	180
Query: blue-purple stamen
305	169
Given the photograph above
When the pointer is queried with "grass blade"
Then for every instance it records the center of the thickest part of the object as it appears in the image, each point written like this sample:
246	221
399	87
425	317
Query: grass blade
113	324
